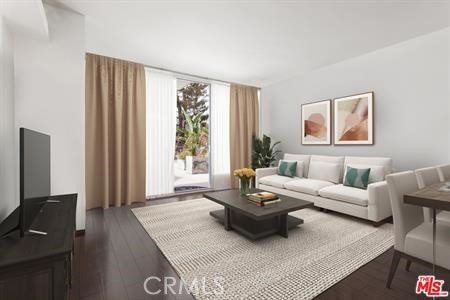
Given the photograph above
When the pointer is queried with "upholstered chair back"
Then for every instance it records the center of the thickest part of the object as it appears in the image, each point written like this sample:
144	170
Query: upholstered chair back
444	172
427	176
406	216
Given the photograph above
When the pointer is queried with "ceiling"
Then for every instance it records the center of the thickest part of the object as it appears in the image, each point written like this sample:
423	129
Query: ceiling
25	17
252	42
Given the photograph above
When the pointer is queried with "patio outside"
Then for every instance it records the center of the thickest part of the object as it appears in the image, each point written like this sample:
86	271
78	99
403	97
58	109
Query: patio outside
191	166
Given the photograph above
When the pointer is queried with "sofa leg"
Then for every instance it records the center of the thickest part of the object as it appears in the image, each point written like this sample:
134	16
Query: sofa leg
394	265
379	223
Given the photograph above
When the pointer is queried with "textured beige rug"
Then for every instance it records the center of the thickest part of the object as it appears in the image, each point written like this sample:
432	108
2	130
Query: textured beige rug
317	254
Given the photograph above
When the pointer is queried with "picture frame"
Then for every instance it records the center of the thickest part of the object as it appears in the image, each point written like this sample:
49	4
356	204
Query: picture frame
354	119
316	123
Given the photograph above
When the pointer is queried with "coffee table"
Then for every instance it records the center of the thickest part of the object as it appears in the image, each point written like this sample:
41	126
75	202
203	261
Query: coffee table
253	221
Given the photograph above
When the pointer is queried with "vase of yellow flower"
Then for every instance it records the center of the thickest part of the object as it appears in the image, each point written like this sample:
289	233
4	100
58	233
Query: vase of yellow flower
245	176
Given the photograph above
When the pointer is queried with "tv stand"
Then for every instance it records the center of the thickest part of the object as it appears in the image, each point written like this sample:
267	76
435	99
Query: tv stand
37	232
10	224
53	201
39	266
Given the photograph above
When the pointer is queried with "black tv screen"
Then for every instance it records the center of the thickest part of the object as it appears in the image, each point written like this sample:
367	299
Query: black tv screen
35	164
35	172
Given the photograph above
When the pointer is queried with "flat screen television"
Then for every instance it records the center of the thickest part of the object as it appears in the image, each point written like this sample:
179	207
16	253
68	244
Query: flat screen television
35	184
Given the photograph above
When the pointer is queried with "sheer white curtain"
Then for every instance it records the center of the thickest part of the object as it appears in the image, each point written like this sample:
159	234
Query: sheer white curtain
161	131
220	135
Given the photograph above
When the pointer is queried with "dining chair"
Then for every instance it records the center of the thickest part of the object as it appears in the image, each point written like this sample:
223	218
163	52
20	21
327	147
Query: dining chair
428	176
444	175
444	172
413	238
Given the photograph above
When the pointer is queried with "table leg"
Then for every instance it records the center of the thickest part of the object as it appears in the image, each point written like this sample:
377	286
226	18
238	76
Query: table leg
227	219
283	231
434	241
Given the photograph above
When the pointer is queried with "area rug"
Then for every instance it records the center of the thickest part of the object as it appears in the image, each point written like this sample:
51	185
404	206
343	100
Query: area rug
317	254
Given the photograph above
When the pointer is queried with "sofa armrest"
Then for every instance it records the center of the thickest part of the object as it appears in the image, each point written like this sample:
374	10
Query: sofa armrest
263	172
379	206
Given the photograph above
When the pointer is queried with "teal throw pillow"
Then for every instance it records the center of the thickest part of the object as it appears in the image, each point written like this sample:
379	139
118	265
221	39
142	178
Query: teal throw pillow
357	178
287	168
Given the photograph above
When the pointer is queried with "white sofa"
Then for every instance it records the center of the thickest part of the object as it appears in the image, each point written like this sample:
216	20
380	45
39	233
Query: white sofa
319	180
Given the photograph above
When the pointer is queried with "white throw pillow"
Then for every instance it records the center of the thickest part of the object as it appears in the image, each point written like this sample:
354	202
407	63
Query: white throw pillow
300	167
324	171
376	172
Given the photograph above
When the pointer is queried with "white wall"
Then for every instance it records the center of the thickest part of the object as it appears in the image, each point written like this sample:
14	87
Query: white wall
411	85
8	159
49	91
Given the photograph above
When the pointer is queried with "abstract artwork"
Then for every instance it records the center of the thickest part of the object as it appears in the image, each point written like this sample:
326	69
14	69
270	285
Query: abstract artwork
353	120
316	123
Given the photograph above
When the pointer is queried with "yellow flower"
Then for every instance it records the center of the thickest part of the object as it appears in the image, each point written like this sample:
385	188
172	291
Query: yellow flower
247	172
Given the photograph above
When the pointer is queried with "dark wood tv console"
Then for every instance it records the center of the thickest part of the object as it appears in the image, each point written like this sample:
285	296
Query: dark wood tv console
39	266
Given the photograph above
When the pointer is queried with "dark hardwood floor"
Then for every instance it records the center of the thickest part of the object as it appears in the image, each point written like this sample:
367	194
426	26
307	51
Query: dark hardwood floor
115	256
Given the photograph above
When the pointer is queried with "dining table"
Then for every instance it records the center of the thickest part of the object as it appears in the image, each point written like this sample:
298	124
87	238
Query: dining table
436	197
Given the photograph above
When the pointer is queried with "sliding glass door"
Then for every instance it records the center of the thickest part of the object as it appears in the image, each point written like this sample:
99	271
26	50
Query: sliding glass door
192	147
188	136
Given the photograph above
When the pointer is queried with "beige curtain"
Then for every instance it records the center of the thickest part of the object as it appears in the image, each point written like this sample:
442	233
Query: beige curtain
244	123
115	132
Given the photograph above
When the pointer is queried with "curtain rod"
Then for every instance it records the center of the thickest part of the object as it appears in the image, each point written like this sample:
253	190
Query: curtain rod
180	73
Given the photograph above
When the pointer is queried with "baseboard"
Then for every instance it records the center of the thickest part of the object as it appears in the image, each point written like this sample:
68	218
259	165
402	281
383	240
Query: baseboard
80	232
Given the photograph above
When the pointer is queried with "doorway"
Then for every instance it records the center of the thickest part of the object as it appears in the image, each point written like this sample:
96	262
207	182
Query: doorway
192	144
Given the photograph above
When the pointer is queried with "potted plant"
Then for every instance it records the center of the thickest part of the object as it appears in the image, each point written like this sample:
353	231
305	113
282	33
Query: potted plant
264	153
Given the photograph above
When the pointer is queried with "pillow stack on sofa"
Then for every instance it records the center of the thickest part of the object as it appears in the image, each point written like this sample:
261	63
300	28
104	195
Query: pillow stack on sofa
347	181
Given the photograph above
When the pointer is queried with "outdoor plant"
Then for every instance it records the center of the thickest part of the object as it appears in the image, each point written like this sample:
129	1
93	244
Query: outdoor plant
264	154
192	120
195	134
183	153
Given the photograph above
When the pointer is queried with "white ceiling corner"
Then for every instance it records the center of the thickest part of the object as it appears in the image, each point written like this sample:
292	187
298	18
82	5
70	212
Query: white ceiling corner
26	17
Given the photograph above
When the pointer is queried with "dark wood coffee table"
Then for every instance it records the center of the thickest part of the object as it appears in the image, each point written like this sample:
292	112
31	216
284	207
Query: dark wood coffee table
253	221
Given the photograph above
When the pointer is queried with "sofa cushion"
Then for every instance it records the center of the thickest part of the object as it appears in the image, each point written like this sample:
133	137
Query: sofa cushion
275	180
384	162
377	173
327	158
324	171
299	158
346	194
307	186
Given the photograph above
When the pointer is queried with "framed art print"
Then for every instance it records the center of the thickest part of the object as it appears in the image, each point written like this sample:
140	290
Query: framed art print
353	120
316	123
